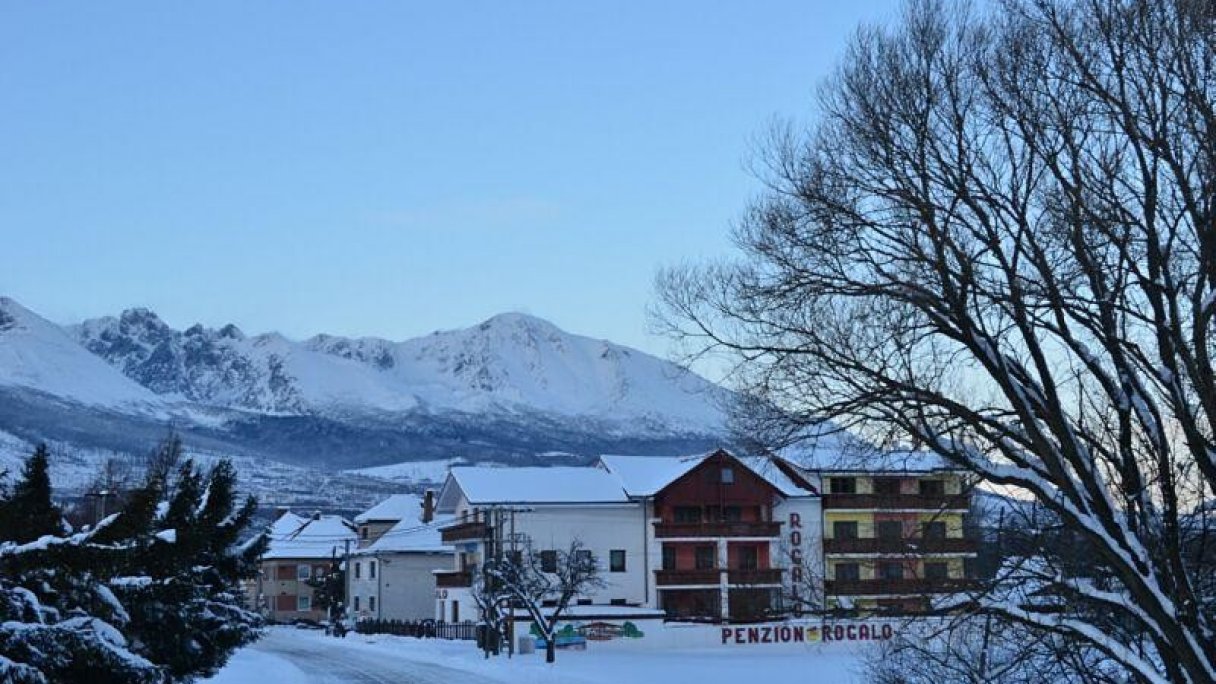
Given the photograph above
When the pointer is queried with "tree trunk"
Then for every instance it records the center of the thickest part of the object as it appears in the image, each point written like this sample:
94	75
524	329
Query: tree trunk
551	649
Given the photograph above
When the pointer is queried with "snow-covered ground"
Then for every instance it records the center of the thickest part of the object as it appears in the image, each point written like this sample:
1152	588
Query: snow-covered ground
294	656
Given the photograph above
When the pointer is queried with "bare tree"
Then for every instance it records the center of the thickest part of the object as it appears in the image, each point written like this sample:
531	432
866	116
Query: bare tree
544	583
999	240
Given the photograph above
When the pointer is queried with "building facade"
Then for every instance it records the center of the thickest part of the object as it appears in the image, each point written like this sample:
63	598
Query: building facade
302	550
894	537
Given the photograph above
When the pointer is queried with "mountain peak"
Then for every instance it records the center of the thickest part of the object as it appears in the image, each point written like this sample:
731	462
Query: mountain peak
517	320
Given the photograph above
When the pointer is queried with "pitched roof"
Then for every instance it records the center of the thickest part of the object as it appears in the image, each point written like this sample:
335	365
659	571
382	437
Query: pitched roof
644	476
869	461
292	536
394	508
411	535
538	485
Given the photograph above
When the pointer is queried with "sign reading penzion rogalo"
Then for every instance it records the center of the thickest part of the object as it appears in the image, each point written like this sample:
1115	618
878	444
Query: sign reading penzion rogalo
791	634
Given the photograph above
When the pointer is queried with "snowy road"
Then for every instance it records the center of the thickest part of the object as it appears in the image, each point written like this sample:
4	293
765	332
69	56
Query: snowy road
284	658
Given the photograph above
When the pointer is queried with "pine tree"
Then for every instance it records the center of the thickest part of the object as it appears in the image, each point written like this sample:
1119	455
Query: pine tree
151	594
28	512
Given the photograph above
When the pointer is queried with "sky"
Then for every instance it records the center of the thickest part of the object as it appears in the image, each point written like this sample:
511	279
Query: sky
388	168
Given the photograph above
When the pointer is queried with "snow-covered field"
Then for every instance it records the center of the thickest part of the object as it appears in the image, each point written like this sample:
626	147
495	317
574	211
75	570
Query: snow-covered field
293	656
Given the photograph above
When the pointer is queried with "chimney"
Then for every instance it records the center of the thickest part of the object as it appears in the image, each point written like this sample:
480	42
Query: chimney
316	515
428	506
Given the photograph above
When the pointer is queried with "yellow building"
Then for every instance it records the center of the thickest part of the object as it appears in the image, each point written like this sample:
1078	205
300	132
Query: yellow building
893	534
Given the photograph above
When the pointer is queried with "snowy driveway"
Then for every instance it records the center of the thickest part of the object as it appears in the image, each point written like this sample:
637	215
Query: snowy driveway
284	657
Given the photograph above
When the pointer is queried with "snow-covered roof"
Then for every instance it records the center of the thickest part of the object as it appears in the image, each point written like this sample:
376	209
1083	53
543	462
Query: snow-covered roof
292	536
870	461
394	508
538	485
646	475
412	535
643	476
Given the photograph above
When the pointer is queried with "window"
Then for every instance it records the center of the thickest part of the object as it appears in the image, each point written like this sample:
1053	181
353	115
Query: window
891	571
363	532
356	604
548	561
584	558
371	603
842	529
843	485
886	485
358	570
618	602
303	603
728	475
616	560
584	602
688	514
455	611
371	570
936	571
932	488
706	557
669	558
732	514
302	572
934	530
848	572
749	558
889	529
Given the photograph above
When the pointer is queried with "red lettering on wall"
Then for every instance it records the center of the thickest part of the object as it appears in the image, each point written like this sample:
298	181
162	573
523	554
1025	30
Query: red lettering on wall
795	521
726	634
796	538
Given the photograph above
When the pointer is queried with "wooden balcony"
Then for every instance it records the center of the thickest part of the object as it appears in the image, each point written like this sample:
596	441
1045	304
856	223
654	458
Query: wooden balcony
453	579
915	502
917	546
477	529
771	576
675	578
906	586
669	530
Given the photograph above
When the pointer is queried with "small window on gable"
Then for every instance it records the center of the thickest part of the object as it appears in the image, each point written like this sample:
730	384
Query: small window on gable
363	532
728	475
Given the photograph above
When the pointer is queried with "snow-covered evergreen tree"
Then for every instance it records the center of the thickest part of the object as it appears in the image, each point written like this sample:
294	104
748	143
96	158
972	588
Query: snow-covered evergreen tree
150	594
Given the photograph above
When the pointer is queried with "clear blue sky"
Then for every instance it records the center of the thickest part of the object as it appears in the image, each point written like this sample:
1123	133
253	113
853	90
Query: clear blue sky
387	168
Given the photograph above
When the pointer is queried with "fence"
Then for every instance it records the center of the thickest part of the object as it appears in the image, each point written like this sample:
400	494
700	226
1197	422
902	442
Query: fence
423	629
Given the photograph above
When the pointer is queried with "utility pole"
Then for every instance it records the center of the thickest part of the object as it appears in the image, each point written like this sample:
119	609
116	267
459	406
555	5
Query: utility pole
346	573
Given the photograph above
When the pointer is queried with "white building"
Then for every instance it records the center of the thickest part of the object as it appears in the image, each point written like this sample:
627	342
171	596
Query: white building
391	575
706	537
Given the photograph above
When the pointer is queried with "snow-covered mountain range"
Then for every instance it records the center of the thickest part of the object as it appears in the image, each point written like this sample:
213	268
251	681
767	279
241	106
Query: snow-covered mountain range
511	387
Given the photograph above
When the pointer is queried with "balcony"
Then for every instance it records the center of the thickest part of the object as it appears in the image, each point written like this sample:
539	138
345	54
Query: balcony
477	529
675	578
772	576
918	546
916	502
906	586
668	530
456	579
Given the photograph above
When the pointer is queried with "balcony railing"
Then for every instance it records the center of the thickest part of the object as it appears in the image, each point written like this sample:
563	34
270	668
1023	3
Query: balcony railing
919	545
772	576
669	578
477	529
959	502
453	579
667	530
904	586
